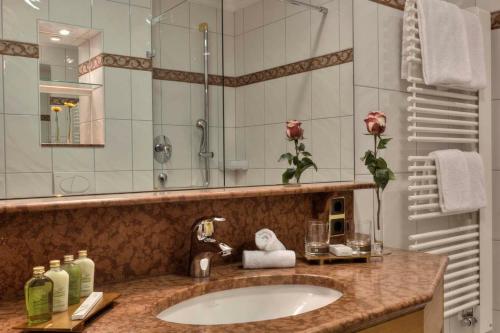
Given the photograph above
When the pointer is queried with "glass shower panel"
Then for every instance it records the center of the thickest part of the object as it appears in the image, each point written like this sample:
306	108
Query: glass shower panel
187	93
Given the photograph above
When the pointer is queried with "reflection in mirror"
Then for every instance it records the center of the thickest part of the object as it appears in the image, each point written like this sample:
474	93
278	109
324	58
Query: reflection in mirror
71	111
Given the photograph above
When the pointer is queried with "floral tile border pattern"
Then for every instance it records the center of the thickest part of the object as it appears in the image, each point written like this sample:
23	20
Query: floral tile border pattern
114	60
327	60
495	20
20	49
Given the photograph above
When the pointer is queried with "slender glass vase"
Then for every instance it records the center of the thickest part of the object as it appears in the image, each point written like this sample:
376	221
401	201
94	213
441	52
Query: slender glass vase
58	134
378	226
69	138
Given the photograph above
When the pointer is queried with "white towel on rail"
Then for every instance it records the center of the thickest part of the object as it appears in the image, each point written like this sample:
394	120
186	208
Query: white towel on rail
444	45
476	51
460	178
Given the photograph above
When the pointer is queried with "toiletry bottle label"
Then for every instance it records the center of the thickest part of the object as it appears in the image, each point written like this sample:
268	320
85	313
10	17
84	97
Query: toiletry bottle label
87	286
60	299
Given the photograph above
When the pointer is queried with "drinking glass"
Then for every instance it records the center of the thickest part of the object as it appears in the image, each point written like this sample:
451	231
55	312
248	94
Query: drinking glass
359	237
317	238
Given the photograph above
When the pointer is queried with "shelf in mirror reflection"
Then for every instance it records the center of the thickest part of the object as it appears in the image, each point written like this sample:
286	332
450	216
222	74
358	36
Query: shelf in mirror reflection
68	88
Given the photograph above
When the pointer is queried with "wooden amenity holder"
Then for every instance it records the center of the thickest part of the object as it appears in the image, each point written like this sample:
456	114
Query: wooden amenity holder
61	322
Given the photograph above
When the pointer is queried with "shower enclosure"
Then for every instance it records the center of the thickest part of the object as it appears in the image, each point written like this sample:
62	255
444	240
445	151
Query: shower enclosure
187	110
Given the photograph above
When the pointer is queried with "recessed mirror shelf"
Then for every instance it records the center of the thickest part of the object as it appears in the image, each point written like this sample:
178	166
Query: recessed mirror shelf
68	88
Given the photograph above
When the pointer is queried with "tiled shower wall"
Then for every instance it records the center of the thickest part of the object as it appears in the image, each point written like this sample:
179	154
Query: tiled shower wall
271	33
377	86
178	105
125	163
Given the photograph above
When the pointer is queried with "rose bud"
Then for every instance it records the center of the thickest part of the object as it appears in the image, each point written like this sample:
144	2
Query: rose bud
293	130
375	122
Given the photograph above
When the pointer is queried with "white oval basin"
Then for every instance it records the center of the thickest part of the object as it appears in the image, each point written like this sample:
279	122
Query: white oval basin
250	304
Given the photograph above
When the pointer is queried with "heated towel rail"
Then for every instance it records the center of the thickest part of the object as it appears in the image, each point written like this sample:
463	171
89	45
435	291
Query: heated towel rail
441	118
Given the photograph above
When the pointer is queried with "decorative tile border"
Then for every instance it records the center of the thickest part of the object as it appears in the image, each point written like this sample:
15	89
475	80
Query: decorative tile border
398	4
20	49
114	60
328	60
495	20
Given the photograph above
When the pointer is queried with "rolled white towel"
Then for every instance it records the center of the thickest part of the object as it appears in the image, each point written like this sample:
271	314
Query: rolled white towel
266	240
272	259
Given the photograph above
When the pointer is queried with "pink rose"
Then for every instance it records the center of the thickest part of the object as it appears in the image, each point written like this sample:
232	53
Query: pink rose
375	122
293	130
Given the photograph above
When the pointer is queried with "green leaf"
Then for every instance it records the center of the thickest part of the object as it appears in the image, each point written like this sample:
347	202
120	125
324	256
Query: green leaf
382	144
307	162
296	160
306	153
382	177
286	156
381	163
392	176
301	147
287	175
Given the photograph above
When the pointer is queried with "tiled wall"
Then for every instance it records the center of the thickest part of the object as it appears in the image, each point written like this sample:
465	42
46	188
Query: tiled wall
271	33
178	105
125	163
377	86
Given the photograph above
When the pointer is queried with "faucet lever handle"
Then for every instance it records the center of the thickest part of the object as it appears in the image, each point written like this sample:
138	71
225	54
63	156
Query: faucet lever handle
206	227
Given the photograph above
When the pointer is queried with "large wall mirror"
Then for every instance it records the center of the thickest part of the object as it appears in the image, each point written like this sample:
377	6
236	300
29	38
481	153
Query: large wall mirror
175	94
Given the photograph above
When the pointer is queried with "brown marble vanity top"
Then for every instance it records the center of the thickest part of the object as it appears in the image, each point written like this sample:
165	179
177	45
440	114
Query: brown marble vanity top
372	292
127	199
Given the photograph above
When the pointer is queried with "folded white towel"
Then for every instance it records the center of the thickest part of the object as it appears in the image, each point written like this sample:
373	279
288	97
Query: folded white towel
477	180
272	259
476	50
443	39
460	179
266	240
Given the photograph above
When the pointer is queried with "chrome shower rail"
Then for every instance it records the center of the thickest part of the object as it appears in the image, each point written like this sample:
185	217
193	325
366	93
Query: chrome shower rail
300	3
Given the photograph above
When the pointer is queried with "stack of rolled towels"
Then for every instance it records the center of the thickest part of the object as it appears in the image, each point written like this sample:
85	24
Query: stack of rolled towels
271	254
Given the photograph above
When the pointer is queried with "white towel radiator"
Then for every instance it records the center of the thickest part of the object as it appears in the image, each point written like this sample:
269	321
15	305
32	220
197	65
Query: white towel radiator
441	118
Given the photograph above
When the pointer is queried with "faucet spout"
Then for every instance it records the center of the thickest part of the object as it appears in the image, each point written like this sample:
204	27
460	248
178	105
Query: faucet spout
204	247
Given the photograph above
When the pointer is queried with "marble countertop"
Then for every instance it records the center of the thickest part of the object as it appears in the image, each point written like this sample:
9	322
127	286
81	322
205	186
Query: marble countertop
143	198
372	292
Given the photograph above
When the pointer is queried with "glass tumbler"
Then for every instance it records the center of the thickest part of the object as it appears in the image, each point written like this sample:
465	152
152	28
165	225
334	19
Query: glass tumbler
359	238
317	238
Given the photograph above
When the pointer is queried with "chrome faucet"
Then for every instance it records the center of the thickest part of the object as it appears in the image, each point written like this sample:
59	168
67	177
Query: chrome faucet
204	247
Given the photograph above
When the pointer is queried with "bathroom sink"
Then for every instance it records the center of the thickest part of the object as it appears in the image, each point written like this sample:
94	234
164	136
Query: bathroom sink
250	304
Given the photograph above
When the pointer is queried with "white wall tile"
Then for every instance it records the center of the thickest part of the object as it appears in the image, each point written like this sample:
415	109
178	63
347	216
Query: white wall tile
72	159
22	145
274	44
254	104
229	56
325	30
114	182
23	185
50	55
74	12
255	177
113	18
274	10
326	142
228	18
140	31
253	16
347	143
496	208
141	3
117	91
298	37
255	146
15	11
143	181
365	43
142	145
326	175
275	146
2	144
496	274
346	24
176	103
179	178
3	186
495	66
20	85
346	89
294	9
180	137
298	96
141	85
117	153
74	183
326	92
199	13
229	107
254	50
275	101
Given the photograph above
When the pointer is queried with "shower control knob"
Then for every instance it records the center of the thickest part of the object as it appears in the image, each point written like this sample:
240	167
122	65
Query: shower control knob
163	178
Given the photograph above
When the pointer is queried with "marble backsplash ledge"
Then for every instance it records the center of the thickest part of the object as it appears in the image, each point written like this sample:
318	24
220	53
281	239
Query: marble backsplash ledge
128	242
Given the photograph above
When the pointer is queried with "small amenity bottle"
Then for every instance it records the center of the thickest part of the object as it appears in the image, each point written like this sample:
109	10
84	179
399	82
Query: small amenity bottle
75	278
61	285
38	296
87	268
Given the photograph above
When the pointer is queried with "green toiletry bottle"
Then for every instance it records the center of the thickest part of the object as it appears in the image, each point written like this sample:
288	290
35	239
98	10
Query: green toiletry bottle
75	278
38	295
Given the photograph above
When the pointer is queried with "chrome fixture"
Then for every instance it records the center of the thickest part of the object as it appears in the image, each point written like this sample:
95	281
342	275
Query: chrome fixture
162	149
467	318
204	247
204	154
320	9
